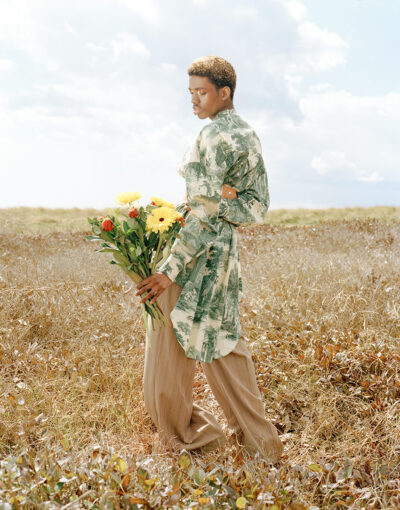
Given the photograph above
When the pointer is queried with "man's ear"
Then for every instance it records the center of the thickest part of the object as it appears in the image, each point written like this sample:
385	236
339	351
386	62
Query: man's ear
225	92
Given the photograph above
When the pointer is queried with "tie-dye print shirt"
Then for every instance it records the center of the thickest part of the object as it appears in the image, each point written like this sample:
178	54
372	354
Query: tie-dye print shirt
204	261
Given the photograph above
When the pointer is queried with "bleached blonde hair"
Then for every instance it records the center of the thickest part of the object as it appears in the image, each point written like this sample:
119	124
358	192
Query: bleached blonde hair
218	70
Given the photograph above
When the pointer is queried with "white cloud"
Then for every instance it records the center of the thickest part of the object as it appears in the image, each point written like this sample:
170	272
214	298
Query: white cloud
340	139
68	28
125	43
148	9
333	161
303	51
243	12
110	97
19	22
319	49
338	165
296	9
6	64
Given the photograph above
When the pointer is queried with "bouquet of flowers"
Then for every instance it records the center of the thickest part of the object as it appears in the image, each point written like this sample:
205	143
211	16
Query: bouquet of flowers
140	239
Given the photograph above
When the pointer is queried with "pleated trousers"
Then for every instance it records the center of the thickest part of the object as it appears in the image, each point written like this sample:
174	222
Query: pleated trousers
168	394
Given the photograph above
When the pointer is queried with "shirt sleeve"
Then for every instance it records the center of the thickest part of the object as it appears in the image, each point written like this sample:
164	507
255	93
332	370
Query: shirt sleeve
204	175
251	205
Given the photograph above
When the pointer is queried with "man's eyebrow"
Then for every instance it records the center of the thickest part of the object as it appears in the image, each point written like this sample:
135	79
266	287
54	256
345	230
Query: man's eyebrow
197	88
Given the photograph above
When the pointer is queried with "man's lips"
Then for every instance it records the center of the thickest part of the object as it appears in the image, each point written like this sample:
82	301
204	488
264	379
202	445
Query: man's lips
196	108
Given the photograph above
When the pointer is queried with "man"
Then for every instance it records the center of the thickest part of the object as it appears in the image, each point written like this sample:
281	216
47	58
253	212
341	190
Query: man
199	286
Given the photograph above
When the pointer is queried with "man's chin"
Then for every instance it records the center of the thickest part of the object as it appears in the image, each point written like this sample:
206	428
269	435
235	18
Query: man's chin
201	114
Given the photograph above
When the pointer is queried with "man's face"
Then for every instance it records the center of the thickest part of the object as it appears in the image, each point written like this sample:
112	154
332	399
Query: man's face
207	100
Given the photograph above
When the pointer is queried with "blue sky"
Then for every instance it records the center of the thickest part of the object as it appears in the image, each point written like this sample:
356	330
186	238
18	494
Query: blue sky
370	27
94	100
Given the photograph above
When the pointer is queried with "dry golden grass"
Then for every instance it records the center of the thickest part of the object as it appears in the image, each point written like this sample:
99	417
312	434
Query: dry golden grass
42	220
321	311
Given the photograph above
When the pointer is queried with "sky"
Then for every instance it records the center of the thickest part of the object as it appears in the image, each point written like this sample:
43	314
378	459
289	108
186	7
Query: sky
94	97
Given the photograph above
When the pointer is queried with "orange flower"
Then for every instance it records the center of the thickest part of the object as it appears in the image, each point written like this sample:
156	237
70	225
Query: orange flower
133	212
107	225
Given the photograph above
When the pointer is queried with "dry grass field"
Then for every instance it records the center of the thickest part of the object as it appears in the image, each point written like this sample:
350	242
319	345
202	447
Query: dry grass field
321	313
24	220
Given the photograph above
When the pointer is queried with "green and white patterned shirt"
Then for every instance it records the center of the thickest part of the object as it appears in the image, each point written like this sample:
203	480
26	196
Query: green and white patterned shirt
204	261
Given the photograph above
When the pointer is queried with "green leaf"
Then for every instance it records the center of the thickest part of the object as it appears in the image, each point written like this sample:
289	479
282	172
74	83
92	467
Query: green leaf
107	236
108	250
133	223
142	473
199	476
121	259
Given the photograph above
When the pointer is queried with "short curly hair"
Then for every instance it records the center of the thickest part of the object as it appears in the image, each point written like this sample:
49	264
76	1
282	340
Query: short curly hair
218	70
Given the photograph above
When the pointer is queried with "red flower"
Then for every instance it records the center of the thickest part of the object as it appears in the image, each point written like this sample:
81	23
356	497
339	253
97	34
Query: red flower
153	203
133	212
107	225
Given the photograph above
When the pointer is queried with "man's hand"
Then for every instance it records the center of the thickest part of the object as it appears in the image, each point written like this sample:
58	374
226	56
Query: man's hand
227	192
155	284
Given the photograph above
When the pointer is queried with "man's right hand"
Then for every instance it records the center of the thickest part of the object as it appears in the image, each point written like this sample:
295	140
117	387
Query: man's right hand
227	192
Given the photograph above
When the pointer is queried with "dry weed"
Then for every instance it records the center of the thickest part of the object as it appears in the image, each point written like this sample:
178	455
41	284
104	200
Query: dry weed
321	313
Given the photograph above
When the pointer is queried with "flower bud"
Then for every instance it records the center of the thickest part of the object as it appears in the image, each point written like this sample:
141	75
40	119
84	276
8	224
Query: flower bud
107	225
133	212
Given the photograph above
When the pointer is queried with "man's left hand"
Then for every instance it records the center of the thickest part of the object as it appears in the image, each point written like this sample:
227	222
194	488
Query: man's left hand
155	284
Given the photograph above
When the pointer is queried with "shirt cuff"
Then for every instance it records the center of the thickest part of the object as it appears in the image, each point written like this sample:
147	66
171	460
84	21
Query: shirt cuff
170	268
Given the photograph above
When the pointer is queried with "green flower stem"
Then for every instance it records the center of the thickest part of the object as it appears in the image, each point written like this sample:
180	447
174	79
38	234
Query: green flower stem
154	308
133	276
160	241
164	258
145	323
159	316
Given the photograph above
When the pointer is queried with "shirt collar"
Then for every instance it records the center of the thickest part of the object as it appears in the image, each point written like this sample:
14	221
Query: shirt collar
225	113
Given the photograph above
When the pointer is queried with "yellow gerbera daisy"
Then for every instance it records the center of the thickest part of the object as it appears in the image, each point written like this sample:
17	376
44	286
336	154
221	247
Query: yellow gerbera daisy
127	197
161	219
161	203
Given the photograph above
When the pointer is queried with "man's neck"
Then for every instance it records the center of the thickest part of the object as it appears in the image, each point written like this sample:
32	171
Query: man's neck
227	107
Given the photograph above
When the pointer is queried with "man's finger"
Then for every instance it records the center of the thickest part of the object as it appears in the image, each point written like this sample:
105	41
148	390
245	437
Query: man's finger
143	286
150	295
145	281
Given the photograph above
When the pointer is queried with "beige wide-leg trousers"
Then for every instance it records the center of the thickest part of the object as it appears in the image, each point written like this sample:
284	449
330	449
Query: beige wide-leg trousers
168	394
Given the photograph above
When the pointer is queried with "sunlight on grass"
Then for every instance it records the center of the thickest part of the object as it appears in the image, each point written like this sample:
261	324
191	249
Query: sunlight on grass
41	220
